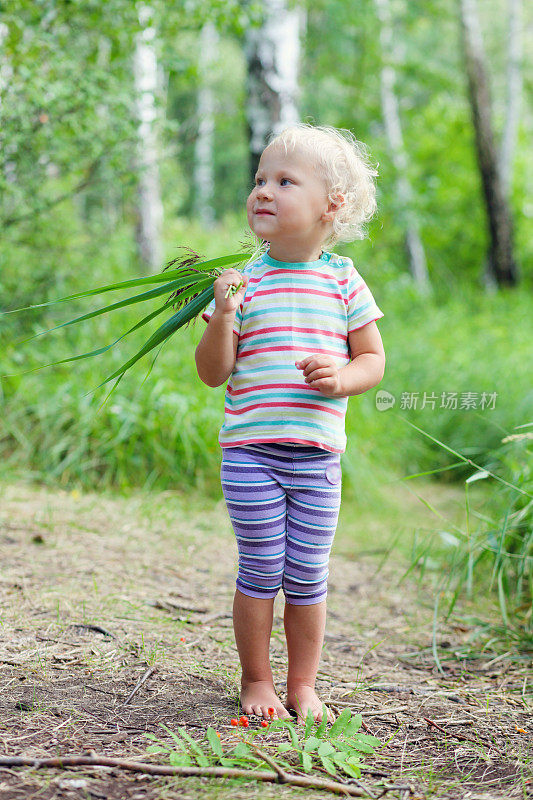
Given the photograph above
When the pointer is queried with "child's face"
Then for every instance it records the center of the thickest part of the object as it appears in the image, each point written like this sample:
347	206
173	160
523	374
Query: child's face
287	204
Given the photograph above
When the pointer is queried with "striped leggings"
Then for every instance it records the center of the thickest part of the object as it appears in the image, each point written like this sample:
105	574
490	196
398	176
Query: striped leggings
283	501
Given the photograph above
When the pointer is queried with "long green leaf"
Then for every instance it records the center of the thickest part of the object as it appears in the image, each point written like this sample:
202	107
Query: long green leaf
353	725
197	753
168	288
368	739
179	742
362	746
101	349
179	759
321	729
340	723
169	327
202	266
351	770
214	741
292	733
311	743
187	317
307	762
463	458
309	722
328	765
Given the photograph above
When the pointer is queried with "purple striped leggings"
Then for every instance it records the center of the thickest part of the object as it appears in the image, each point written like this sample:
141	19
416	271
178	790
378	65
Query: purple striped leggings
283	501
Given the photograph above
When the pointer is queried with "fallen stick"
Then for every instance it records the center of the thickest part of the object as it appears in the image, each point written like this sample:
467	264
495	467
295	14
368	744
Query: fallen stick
279	776
94	628
140	682
286	777
460	736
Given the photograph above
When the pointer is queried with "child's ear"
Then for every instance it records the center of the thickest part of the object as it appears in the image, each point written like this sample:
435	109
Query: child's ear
333	206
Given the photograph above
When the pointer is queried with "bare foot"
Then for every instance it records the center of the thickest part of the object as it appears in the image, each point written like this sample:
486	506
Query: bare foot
258	697
302	698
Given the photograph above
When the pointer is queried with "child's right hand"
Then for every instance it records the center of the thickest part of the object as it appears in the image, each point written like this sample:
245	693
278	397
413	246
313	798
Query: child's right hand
231	302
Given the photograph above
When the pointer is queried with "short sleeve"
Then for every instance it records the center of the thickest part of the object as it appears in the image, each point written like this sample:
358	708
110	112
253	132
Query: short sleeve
208	310
362	307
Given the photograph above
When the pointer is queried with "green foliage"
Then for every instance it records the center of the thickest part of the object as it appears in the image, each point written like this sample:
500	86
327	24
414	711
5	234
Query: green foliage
190	288
340	748
436	348
57	134
230	158
492	558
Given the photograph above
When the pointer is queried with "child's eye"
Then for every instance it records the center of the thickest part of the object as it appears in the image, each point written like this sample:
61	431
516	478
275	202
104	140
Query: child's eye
285	179
258	181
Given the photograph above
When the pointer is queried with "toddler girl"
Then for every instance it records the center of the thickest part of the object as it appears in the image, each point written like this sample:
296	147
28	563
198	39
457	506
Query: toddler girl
296	340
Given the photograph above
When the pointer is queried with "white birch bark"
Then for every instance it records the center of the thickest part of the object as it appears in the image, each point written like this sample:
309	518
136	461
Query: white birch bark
204	168
393	128
513	93
150	207
273	55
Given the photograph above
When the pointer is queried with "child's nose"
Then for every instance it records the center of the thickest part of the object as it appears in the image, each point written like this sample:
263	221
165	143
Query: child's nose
264	191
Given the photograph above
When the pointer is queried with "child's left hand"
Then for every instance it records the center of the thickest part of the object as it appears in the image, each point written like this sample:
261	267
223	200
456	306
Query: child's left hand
321	373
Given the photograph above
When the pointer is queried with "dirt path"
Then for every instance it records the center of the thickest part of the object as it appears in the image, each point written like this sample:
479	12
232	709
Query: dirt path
95	590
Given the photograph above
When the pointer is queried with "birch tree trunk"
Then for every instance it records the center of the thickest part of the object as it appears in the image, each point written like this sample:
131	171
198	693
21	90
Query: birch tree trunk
393	128
272	55
204	170
500	260
513	94
150	208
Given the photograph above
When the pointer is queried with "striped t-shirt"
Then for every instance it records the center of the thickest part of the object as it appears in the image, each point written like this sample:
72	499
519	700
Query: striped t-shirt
290	311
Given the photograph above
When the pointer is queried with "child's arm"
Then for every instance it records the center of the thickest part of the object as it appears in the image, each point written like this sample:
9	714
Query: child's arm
367	367
217	350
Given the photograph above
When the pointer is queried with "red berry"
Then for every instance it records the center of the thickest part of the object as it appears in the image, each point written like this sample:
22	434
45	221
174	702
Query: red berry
271	712
182	639
243	719
264	724
234	721
245	723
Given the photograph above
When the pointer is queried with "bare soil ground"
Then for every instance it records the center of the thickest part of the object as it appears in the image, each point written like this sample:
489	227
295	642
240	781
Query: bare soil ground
94	590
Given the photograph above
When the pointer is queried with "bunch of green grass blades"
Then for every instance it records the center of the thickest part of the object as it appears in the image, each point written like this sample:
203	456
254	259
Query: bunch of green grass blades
188	283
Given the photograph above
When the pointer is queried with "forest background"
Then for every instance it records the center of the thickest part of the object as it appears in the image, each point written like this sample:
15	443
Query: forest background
129	130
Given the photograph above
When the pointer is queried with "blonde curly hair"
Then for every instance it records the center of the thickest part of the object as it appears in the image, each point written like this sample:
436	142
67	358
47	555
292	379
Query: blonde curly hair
344	164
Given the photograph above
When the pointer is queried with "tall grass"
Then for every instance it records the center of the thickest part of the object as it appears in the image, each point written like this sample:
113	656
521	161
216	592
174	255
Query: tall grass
491	558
